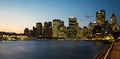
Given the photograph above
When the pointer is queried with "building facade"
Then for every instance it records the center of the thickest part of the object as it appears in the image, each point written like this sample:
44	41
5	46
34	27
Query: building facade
47	30
59	30
39	29
113	22
72	28
100	17
56	24
62	31
26	31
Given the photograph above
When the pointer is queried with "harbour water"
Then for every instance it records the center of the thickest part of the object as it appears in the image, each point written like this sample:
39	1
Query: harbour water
49	49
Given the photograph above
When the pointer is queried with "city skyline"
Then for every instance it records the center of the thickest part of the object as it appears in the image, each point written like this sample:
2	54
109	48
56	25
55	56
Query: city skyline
19	14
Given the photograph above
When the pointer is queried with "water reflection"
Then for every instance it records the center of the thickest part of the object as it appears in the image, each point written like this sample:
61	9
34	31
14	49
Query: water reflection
49	49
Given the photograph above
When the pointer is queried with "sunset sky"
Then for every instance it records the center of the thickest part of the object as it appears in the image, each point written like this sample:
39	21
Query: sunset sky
15	15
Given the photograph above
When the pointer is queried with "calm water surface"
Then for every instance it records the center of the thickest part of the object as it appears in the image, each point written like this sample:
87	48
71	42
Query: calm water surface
49	49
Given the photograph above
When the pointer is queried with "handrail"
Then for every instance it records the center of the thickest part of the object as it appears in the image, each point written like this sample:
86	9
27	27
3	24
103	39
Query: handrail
102	53
108	51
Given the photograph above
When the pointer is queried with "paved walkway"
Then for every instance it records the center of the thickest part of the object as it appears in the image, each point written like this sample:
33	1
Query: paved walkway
115	51
112	52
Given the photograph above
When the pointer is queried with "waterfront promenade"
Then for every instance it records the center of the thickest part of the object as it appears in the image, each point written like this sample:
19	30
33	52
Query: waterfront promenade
115	51
111	52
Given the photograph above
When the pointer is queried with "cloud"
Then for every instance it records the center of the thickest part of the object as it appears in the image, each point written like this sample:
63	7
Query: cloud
88	16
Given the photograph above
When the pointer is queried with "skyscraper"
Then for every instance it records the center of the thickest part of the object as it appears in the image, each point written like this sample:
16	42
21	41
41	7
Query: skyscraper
39	29
100	17
113	22
113	19
34	34
50	29
72	28
47	29
73	21
62	30
26	31
56	24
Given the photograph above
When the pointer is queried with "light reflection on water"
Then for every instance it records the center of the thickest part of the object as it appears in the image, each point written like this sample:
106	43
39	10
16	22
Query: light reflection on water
49	49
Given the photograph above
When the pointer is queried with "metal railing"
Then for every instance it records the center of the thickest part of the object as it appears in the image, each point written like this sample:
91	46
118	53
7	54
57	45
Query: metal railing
105	53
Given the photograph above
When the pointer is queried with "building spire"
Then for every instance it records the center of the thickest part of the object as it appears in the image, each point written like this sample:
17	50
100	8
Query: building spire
113	14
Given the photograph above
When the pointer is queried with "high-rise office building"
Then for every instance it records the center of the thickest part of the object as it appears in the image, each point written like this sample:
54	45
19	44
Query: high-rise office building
34	34
26	31
62	31
72	28
50	29
47	29
31	33
39	29
73	21
50	24
56	24
113	19
113	22
100	17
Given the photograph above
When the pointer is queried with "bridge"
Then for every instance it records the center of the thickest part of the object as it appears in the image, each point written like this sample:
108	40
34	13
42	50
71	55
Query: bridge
110	52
